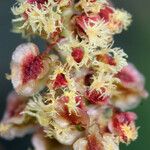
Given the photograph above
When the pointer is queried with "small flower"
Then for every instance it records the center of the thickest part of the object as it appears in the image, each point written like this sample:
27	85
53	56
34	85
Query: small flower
28	69
94	29
123	124
110	59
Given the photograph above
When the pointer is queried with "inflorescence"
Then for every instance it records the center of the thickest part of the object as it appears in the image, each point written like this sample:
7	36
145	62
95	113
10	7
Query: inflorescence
78	92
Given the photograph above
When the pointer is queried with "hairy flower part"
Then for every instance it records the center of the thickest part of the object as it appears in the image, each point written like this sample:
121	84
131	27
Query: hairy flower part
110	59
119	20
116	19
76	53
130	77
102	88
55	126
123	124
28	69
41	18
40	110
14	123
93	6
94	29
131	88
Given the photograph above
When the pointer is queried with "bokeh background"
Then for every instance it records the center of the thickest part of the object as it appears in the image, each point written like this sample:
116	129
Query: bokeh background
135	42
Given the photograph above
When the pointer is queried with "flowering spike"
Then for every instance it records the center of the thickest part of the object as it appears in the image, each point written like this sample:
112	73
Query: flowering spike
76	90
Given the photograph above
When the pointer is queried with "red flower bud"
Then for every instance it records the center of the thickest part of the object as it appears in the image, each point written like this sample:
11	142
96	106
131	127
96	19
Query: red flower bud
77	54
60	81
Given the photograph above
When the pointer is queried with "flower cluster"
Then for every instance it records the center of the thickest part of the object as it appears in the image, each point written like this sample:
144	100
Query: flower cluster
78	92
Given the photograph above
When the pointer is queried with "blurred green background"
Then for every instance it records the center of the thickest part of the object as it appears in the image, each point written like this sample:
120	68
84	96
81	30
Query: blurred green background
135	42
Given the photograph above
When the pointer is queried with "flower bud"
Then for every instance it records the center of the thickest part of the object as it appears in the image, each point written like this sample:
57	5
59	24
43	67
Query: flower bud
123	124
